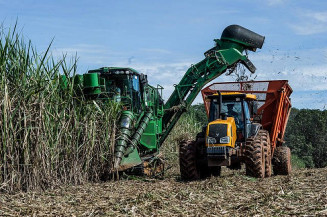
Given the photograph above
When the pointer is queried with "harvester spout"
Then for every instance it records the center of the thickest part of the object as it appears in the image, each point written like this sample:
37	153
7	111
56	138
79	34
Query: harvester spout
240	35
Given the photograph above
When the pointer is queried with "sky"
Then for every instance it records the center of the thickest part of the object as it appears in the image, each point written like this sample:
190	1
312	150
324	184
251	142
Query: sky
163	38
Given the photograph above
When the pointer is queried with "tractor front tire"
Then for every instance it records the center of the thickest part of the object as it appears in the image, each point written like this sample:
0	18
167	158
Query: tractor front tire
188	161
282	161
255	157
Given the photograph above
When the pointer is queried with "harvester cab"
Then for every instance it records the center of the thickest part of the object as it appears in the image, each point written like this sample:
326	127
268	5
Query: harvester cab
122	85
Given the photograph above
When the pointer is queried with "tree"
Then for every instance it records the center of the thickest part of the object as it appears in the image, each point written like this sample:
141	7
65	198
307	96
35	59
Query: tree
306	135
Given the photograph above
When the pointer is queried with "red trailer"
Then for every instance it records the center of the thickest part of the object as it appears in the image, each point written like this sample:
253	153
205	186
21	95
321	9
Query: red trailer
274	103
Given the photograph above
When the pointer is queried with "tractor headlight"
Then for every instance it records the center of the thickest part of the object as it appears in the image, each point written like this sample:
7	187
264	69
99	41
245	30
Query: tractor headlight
211	140
225	140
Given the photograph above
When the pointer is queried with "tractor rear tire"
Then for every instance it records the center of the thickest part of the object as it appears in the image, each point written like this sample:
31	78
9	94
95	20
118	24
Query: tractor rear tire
188	161
282	161
267	148
255	156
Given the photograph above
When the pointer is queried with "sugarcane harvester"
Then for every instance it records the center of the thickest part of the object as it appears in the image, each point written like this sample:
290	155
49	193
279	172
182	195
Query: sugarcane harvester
146	121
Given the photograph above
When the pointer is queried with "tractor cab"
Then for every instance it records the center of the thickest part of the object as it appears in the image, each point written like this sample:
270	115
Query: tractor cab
234	110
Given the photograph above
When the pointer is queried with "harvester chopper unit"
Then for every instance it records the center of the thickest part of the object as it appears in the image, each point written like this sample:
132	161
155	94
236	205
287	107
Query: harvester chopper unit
146	120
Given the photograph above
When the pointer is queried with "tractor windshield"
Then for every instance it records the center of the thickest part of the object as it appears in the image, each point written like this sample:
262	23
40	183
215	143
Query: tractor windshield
230	108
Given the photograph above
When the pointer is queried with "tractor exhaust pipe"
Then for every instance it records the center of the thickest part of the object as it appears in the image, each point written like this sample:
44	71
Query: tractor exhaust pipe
220	103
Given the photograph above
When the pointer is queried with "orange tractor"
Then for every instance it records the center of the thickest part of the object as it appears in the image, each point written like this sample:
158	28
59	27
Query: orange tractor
246	124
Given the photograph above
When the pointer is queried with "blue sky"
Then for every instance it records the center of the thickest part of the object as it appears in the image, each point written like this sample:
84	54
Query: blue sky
163	38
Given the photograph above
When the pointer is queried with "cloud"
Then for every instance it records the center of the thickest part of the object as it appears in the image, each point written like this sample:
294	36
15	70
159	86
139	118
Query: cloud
275	2
309	28
309	83
308	79
310	22
155	50
164	74
92	55
306	70
319	16
304	80
309	99
79	49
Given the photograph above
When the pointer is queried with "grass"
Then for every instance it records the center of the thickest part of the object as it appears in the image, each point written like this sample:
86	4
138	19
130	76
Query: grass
48	137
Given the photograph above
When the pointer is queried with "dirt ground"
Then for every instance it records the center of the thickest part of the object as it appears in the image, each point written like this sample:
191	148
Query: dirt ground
303	193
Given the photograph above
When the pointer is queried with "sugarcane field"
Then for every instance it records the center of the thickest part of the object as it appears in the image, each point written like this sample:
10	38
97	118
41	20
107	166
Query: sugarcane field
143	108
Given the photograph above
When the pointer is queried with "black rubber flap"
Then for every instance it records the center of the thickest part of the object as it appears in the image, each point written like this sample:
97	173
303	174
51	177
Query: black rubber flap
243	35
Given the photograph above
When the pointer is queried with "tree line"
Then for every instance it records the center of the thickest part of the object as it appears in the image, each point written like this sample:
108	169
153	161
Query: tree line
306	135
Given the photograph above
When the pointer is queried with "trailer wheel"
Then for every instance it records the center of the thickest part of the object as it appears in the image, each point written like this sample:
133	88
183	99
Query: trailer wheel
267	148
188	160
282	161
255	157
